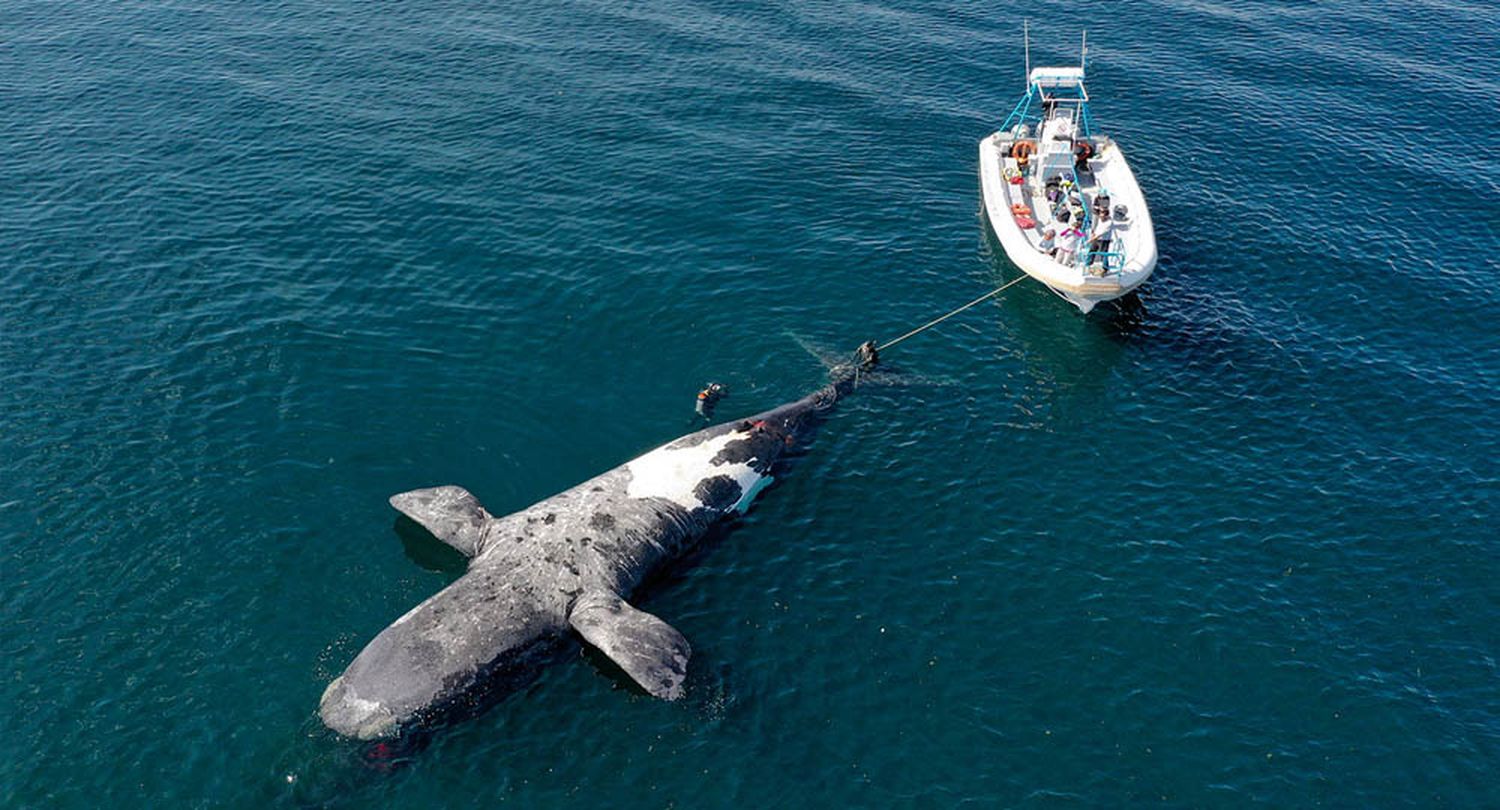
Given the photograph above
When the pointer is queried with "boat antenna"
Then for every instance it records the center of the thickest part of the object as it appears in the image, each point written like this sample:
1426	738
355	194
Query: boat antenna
1026	37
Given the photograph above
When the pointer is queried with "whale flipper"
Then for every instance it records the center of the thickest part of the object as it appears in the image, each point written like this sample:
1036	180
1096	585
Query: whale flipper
452	514
650	651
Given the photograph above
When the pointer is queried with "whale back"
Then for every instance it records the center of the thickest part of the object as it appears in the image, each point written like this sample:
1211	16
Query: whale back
613	530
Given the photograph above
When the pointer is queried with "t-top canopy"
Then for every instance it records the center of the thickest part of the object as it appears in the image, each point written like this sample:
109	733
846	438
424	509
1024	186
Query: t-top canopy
1057	76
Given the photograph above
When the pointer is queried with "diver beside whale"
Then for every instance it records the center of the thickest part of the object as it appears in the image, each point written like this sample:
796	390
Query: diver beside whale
567	563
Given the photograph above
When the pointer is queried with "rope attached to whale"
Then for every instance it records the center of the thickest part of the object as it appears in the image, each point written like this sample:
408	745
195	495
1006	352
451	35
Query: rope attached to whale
934	322
865	358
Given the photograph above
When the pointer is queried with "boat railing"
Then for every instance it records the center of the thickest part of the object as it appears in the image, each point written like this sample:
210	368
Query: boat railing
1113	260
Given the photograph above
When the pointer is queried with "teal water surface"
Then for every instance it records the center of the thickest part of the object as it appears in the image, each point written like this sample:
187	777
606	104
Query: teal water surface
263	265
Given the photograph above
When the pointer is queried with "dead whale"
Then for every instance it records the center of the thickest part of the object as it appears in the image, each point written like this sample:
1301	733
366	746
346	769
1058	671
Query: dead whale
565	566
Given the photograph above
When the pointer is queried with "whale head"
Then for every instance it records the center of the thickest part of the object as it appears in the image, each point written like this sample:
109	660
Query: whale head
349	714
479	638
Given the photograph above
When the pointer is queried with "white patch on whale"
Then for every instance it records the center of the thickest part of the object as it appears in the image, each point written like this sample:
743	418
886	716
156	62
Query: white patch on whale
751	492
674	474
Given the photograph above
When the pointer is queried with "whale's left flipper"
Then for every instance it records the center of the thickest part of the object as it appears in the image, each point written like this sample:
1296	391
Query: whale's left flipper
649	650
451	513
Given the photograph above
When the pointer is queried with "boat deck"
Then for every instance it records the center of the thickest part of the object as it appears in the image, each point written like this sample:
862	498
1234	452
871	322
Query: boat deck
1110	272
1044	211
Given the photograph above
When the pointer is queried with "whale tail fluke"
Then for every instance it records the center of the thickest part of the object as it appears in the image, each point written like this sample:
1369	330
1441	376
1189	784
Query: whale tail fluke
648	649
451	513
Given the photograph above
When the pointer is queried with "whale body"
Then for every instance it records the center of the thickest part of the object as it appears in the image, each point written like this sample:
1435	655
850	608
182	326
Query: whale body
560	569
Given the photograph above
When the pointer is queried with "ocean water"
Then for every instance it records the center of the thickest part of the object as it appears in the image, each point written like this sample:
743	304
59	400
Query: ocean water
263	265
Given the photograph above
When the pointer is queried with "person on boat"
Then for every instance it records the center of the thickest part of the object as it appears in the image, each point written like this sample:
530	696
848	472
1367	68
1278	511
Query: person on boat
1067	244
1099	239
1082	151
1053	193
1022	151
1049	244
1101	205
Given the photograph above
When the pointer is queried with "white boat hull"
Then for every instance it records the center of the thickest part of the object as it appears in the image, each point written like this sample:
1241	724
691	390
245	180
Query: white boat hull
1134	237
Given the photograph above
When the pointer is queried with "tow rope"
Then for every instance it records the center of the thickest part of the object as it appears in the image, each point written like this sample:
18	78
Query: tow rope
865	358
934	322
